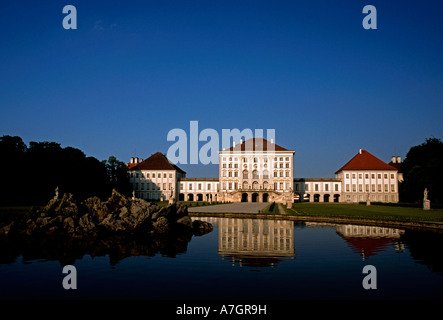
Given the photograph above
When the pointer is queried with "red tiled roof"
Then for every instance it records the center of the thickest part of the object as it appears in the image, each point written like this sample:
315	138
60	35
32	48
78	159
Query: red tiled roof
157	161
366	161
257	144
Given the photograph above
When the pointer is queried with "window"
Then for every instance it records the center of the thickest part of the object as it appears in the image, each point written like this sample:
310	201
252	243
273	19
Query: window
265	174
379	176
164	186
373	188
224	165
230	185
136	175
353	176
392	188
354	188
373	176
392	176
287	165
229	174
296	187
245	174
367	188
235	165
275	185
307	187
230	165
287	158
275	174
281	159
281	173
326	187
347	176
367	176
153	175
236	174
209	186
170	175
181	186
164	175
386	188
199	186
281	185
190	186
281	165
379	188
170	186
245	159
147	175
255	174
336	187
287	173
360	176
386	175
360	188
255	160
316	187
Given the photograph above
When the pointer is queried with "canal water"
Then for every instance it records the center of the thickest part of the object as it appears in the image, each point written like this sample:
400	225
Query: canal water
247	259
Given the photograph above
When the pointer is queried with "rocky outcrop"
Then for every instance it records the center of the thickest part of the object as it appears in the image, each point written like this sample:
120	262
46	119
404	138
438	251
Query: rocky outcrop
117	215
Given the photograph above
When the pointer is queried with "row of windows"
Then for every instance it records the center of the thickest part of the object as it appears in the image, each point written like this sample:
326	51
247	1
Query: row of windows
199	186
371	187
255	159
255	186
255	174
316	187
148	175
360	176
152	186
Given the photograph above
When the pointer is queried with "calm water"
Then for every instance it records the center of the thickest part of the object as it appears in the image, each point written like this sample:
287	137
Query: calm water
239	259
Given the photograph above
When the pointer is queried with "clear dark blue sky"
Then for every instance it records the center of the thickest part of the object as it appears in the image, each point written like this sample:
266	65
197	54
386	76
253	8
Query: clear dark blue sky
133	70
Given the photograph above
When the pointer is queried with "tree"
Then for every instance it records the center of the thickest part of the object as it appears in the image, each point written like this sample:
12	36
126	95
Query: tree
118	175
423	168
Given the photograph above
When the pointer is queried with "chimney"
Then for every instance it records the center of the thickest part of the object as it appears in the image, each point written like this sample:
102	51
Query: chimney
233	144
272	140
132	160
360	151
393	159
398	159
241	141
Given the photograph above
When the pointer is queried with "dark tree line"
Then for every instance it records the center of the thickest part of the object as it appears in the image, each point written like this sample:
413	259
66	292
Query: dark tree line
30	174
423	168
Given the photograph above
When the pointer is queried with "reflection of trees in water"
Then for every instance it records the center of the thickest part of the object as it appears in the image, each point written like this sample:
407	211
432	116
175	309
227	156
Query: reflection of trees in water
425	247
66	249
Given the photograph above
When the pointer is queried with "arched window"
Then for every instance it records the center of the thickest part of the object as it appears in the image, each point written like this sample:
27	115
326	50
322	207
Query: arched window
255	174
265	174
245	185
245	174
265	185
255	185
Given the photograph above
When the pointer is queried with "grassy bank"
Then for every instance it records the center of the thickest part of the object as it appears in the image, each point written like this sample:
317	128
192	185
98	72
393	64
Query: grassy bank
373	212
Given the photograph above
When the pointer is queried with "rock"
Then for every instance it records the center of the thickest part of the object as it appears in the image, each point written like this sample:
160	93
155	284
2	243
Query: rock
185	221
5	230
201	227
161	225
68	224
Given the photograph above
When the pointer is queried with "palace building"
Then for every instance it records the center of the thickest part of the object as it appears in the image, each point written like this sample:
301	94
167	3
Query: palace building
258	170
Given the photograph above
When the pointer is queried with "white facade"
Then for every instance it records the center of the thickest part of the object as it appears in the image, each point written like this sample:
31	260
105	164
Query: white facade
379	185
199	189
257	175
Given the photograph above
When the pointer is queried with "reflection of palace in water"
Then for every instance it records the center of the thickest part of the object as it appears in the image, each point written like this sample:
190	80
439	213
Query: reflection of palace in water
256	242
369	240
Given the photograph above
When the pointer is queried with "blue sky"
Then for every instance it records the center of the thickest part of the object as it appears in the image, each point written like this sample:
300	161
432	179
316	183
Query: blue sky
134	70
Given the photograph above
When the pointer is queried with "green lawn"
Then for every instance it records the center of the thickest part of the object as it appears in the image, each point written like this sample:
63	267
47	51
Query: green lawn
377	212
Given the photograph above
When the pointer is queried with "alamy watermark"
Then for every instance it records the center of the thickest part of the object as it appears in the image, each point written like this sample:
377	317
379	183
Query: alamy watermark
208	153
